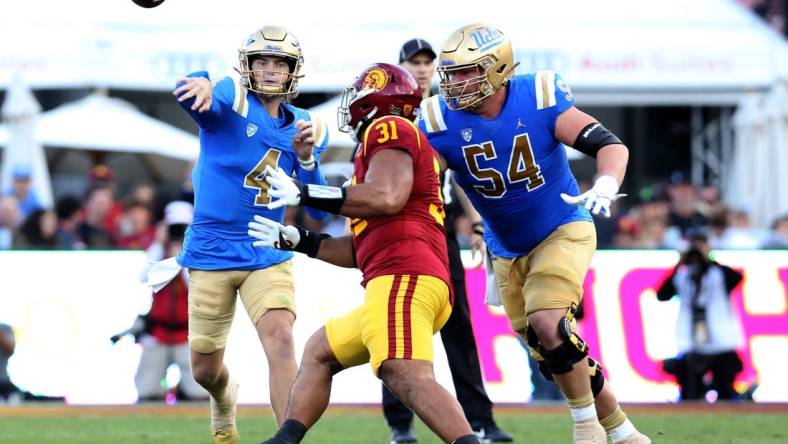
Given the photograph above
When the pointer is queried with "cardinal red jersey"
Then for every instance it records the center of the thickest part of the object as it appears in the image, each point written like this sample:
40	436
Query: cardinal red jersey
412	241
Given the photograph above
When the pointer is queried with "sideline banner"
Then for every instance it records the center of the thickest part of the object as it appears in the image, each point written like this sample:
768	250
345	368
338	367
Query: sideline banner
64	306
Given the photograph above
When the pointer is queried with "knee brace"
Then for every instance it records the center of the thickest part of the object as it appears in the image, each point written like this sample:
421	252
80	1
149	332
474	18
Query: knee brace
572	350
597	378
533	348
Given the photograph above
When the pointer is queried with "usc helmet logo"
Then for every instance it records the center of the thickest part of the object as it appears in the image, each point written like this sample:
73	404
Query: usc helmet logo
376	79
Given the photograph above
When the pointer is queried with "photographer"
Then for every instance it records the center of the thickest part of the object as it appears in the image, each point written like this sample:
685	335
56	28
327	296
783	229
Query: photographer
707	331
163	331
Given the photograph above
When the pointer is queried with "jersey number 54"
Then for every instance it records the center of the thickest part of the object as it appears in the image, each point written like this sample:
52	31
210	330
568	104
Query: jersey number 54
522	166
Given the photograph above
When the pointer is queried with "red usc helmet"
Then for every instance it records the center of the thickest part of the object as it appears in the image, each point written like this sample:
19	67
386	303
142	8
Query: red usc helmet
380	90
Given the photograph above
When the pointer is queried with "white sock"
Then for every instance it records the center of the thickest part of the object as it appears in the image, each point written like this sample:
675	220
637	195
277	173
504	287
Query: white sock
583	414
625	429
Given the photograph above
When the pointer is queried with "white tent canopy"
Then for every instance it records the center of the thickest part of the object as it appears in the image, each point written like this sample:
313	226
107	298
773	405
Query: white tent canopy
758	181
610	51
109	124
20	112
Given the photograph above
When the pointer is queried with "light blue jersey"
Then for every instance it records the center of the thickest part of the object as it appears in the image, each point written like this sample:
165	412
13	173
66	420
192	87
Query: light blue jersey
237	140
512	167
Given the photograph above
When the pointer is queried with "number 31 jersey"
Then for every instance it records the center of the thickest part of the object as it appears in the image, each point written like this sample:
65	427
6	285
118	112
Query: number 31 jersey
512	167
413	241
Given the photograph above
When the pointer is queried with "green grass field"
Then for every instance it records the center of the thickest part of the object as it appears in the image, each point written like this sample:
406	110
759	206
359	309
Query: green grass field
732	424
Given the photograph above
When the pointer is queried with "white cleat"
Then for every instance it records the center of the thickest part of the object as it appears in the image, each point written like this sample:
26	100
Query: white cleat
589	432
635	438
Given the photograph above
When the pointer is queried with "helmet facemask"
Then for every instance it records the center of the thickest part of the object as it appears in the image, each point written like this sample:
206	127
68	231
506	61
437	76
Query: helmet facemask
351	97
287	88
467	93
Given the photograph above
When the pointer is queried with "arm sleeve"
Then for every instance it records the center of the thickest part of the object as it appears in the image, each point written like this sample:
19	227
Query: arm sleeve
667	290
222	99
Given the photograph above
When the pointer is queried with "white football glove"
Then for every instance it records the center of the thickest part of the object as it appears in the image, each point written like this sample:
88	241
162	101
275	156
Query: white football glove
598	198
273	234
283	188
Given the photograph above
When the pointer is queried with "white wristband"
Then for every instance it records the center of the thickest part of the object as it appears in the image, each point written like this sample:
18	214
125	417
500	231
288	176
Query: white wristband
309	164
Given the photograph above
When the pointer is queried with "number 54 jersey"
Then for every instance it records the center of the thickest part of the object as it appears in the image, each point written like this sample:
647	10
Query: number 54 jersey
512	167
413	241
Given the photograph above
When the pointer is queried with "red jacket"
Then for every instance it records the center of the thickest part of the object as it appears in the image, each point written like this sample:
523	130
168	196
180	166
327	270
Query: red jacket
168	319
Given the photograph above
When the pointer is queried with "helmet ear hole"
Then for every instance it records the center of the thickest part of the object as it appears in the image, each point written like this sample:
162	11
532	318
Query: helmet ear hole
501	69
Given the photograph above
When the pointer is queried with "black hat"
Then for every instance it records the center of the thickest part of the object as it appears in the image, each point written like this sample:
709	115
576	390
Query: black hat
413	47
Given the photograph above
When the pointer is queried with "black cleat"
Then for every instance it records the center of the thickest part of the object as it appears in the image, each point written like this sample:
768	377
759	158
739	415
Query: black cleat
493	434
399	435
273	441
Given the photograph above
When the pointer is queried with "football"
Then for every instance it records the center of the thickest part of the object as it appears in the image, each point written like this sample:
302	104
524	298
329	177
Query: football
148	3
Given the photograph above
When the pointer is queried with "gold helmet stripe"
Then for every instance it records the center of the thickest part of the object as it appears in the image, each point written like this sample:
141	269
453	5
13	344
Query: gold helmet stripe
240	105
545	89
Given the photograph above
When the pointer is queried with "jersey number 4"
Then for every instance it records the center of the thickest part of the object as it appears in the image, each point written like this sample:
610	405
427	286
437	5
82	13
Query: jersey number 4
522	166
255	179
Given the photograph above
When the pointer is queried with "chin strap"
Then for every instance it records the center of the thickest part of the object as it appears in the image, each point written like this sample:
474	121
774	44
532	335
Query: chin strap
362	123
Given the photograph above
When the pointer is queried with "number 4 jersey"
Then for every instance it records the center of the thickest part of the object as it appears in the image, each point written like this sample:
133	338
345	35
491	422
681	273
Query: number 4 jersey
512	167
412	241
238	139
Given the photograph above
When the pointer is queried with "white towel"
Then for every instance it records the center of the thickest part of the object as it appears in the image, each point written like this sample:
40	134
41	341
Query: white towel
492	296
157	275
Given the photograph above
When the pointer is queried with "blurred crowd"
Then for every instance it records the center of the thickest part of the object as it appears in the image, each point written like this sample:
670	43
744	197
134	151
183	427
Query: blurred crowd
663	214
659	217
99	219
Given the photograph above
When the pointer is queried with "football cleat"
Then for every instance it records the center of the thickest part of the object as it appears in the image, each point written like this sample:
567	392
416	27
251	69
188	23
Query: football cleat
589	432
635	438
402	435
493	434
229	436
